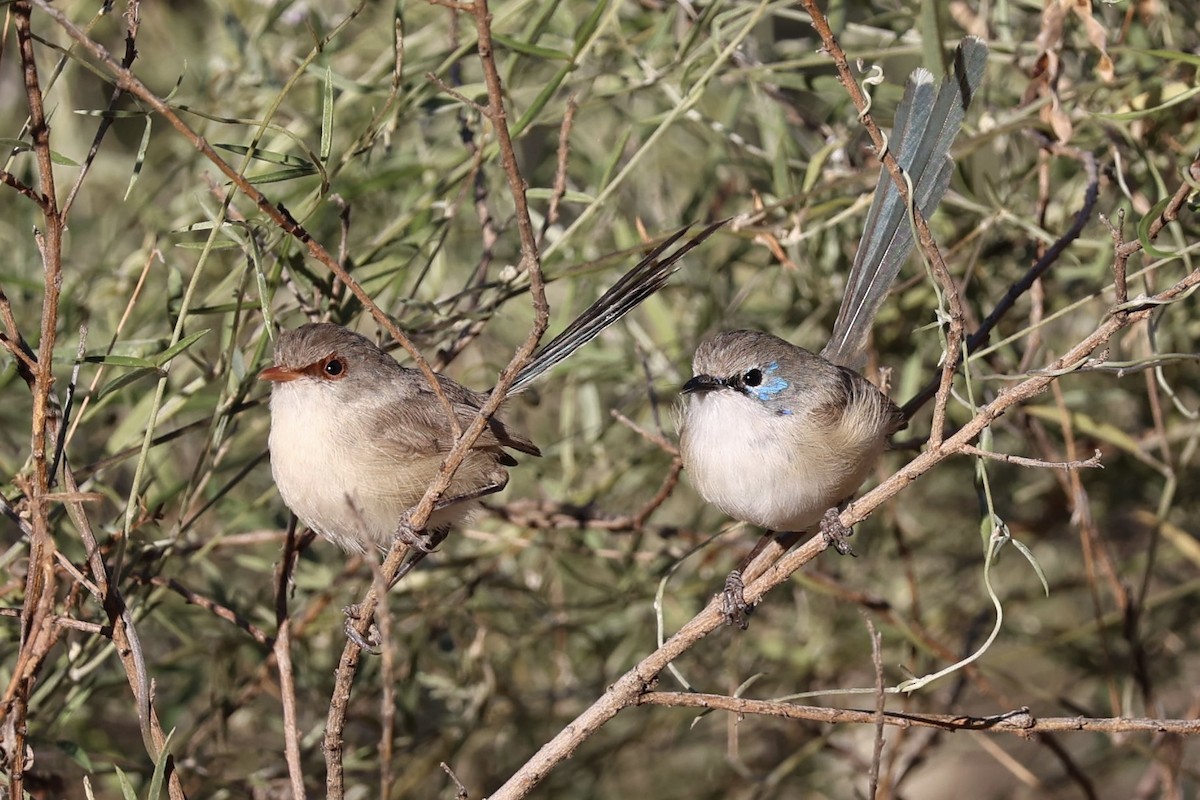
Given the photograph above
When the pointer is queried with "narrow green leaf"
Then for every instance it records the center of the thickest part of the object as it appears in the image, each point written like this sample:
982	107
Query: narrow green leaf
1125	116
1143	229
1169	55
177	348
542	98
745	685
932	24
77	754
531	49
120	361
283	175
160	769
259	154
327	117
140	159
131	377
584	32
215	308
201	245
61	160
816	165
126	787
614	163
178	82
540	21
1033	562
543	193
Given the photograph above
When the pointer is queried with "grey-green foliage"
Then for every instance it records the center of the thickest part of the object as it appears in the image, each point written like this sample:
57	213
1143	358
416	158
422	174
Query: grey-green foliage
511	629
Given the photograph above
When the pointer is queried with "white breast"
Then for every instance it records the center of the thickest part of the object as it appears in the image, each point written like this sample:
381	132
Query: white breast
325	473
312	470
780	472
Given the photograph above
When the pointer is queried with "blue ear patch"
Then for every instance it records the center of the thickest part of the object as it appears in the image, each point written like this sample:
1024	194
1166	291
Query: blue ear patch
771	385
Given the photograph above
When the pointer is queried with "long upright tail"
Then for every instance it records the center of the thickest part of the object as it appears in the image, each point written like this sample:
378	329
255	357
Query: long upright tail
924	130
646	278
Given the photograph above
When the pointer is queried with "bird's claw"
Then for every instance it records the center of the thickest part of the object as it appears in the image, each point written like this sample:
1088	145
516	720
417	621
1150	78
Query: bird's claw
835	533
733	598
370	643
422	541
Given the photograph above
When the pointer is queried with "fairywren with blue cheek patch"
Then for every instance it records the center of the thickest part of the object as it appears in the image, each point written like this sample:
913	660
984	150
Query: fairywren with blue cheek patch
774	435
779	437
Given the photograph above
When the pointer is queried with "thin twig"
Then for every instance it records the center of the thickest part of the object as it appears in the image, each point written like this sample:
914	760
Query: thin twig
880	709
13	182
133	18
1020	721
1018	289
1008	458
654	437
282	651
563	157
38	633
217	610
387	690
456	94
460	792
126	640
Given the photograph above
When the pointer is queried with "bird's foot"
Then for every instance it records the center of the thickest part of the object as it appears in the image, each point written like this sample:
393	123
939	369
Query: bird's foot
369	643
734	606
427	541
835	533
422	541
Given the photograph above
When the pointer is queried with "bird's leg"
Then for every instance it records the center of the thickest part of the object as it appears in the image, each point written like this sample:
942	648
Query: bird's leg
733	597
421	547
421	541
734	604
369	643
835	532
425	544
733	601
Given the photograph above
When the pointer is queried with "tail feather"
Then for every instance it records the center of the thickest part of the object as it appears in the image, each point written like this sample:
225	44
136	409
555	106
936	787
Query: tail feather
925	127
644	279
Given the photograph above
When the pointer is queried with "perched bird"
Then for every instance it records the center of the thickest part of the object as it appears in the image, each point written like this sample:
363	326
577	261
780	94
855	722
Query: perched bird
774	435
779	437
356	438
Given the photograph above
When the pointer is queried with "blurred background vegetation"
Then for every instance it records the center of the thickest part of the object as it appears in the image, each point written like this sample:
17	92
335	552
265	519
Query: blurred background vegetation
685	113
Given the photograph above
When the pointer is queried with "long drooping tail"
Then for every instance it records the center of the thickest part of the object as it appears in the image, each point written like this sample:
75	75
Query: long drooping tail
926	124
646	278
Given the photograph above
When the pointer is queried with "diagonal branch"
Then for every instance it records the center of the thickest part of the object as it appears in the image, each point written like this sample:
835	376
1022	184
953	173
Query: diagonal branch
627	689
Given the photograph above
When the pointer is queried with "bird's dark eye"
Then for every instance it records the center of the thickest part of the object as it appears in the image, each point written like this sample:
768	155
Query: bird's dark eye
334	367
752	377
